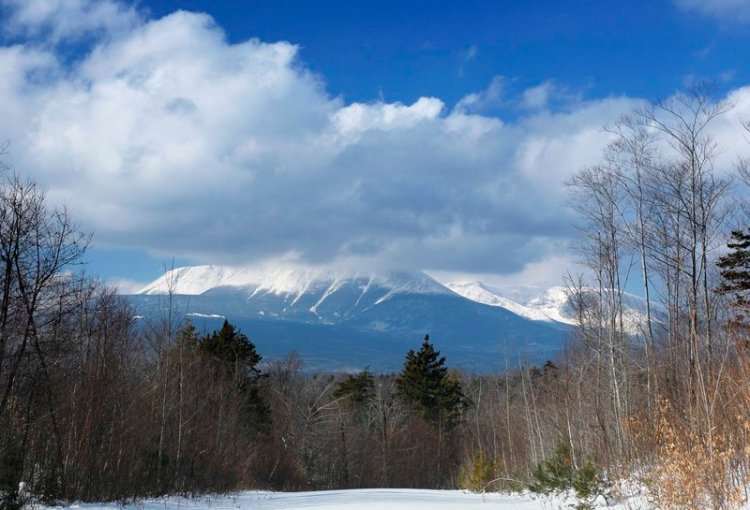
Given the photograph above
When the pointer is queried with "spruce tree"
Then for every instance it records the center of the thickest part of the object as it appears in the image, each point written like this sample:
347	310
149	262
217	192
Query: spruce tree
187	336
233	350
237	359
358	390
426	387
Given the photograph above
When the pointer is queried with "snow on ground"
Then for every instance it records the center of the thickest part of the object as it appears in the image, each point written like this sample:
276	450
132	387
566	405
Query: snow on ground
359	499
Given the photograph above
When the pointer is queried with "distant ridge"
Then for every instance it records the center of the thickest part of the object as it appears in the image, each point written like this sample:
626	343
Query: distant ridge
550	305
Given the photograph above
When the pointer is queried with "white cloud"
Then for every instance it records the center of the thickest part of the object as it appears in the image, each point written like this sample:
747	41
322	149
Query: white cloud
465	57
544	273
55	20
725	10
487	99
537	98
171	139
126	285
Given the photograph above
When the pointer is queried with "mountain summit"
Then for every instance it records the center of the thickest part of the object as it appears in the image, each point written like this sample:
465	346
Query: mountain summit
339	319
287	280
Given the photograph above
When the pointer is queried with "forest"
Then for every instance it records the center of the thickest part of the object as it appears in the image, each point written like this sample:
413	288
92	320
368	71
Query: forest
95	406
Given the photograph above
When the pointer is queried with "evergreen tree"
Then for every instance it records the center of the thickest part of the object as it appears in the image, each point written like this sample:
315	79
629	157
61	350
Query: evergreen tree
238	360
424	384
233	350
357	389
187	336
735	274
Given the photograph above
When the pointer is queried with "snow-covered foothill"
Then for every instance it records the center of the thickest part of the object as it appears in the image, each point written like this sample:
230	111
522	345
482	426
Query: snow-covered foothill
552	304
535	304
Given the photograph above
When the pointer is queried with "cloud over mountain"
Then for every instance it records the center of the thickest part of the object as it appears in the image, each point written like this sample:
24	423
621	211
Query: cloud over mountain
161	134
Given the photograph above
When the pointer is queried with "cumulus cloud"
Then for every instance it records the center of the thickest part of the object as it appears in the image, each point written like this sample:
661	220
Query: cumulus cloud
537	97
55	20
725	10
171	139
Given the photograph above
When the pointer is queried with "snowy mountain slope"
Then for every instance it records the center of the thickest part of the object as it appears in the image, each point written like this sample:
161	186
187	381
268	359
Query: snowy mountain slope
287	281
341	319
306	295
338	319
553	303
549	305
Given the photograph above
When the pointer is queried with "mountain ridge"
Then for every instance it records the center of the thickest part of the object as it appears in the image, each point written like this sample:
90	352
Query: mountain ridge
549	305
341	318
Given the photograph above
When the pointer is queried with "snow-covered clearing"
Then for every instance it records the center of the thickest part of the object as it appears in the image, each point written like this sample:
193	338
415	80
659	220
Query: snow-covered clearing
360	499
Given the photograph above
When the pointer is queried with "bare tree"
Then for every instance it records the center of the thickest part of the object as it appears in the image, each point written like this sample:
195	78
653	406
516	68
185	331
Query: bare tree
39	247
690	204
599	200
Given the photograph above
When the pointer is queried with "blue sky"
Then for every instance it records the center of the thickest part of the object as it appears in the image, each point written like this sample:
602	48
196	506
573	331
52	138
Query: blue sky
428	134
407	49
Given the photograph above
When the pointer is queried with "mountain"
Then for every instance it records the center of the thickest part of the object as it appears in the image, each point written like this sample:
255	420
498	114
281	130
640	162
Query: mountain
347	320
550	304
554	304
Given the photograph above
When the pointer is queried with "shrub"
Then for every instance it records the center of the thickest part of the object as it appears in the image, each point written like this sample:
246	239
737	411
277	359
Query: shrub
479	472
558	474
694	468
554	474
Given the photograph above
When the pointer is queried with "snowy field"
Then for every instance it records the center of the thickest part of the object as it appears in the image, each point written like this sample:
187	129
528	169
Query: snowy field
362	499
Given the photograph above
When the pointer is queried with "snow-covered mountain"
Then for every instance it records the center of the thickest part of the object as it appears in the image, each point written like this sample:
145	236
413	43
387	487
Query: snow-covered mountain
553	303
307	294
344	319
287	281
549	304
339	318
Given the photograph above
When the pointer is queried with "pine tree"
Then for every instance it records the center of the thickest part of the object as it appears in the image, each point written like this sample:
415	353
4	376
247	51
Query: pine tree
425	385
187	336
238	360
233	350
735	273
358	390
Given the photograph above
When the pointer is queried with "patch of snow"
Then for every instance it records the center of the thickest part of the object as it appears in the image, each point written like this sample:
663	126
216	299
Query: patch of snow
379	326
196	280
336	285
553	303
206	315
364	290
385	297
